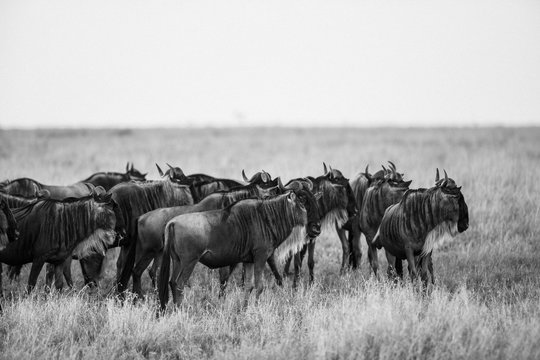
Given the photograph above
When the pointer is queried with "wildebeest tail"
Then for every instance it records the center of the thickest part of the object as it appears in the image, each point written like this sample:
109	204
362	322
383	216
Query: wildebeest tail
164	272
129	262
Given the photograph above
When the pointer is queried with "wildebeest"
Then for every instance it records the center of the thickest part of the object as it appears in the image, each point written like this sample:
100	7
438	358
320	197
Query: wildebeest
15	201
412	227
335	206
31	188
384	188
8	230
108	180
337	177
248	231
151	225
52	230
135	199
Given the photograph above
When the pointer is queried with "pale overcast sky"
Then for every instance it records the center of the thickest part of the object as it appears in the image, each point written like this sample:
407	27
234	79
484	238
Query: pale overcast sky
176	63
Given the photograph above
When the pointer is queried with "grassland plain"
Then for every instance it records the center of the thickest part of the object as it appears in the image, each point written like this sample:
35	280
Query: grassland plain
485	305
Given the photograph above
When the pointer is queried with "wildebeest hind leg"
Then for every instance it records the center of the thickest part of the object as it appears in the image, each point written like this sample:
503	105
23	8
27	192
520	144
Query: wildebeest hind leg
181	272
34	273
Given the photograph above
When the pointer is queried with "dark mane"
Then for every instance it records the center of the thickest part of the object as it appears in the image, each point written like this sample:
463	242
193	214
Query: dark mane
104	173
62	223
419	210
137	198
270	219
329	201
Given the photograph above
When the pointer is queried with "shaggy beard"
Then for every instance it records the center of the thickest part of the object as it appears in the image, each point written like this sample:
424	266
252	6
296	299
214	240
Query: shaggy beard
293	244
441	234
98	242
328	223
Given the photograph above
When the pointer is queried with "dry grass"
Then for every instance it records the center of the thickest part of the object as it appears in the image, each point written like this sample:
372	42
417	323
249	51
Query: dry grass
486	304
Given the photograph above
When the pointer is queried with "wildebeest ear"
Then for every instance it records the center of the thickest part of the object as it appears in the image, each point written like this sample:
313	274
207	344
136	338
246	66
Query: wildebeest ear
159	170
437	177
99	190
291	197
127	167
43	194
406	183
106	198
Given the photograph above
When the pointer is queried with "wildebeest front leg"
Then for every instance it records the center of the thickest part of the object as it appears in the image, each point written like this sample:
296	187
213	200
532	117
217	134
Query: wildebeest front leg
411	262
391	271
224	274
346	254
286	271
298	259
66	269
58	276
354	244
272	264
140	265
311	260
34	273
249	281
372	255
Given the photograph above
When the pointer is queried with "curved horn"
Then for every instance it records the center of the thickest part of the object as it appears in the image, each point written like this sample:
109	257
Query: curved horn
169	166
159	170
445	175
330	168
392	165
244	176
366	171
280	184
310	183
131	166
127	166
324	168
384	168
437	177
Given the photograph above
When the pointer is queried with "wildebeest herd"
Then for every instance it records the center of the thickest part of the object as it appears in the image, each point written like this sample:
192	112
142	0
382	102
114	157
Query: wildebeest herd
178	221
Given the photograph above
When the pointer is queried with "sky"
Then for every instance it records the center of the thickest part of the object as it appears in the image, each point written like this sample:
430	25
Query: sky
130	63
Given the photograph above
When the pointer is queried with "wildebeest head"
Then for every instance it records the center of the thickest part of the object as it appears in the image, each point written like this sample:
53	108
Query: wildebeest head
8	225
176	175
134	174
22	187
336	177
261	178
453	202
108	205
302	197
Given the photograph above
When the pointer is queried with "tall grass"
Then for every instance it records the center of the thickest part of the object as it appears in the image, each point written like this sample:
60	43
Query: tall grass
485	305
